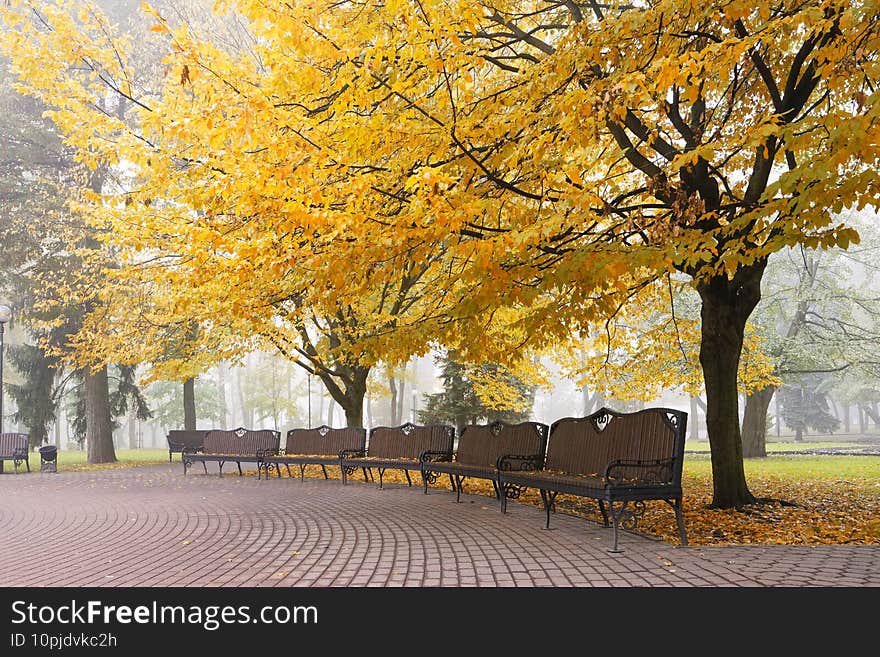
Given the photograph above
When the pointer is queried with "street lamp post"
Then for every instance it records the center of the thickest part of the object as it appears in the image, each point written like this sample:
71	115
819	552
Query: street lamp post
5	316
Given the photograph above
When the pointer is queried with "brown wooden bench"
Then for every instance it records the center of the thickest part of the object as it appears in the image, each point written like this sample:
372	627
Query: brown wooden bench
236	445
619	459
14	447
479	448
397	448
320	446
181	439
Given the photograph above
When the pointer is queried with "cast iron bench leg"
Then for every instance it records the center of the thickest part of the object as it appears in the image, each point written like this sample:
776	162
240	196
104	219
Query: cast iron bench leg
408	480
452	482
205	465
324	470
169	456
604	512
381	472
238	463
615	516
497	490
679	519
549	499
458	487
302	472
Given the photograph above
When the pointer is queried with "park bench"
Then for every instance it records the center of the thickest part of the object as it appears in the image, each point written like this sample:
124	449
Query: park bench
14	447
620	460
237	445
180	439
479	448
397	448
320	446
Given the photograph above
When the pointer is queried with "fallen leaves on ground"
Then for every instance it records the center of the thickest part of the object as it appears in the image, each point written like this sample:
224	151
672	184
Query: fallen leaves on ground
828	512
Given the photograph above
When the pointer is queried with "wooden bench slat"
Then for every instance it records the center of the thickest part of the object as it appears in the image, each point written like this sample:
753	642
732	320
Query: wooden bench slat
614	458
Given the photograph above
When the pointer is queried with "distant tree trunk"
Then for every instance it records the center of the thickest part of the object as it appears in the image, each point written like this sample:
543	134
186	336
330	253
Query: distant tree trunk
392	384
863	429
369	410
132	431
240	419
330	409
99	424
189	404
778	407
221	395
799	435
592	402
726	306
754	428
693	420
874	413
401	395
845	410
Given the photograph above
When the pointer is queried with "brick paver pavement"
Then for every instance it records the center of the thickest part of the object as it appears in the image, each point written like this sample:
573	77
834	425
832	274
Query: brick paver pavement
151	526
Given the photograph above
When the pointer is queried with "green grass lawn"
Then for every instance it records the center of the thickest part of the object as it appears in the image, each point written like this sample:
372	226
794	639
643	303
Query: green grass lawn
798	467
772	446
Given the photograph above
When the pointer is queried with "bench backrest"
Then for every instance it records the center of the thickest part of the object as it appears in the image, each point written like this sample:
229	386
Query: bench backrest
409	441
182	438
324	440
588	445
14	444
483	444
241	441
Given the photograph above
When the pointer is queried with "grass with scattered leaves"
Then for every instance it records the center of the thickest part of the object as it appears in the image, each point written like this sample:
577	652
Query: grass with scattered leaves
75	460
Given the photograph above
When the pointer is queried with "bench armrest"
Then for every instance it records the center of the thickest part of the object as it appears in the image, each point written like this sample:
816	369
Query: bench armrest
653	471
434	457
350	453
520	462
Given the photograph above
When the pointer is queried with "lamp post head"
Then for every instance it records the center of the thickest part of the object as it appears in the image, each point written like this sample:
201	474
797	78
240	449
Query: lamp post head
5	313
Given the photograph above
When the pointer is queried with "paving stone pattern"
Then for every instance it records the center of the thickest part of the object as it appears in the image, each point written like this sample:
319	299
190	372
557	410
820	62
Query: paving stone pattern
153	526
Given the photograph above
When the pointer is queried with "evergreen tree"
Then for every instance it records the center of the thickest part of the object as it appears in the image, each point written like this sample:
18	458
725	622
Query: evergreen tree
805	406
461	403
36	397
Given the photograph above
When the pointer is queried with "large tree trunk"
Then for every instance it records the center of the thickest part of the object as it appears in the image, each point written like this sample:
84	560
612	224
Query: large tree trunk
189	404
351	398
726	305
754	426
354	412
99	424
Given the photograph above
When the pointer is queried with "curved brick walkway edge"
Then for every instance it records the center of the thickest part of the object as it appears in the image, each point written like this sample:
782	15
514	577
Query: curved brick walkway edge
151	526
